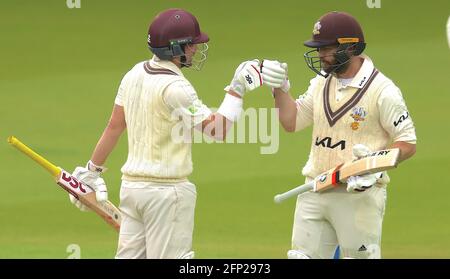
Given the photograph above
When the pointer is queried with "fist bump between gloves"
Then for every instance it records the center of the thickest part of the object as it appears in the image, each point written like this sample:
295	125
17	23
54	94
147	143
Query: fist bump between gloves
247	77
275	74
251	74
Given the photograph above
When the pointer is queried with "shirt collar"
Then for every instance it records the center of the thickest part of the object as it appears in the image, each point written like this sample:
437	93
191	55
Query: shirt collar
363	74
155	62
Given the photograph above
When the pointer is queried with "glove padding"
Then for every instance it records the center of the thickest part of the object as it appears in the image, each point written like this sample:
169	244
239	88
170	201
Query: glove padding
78	204
360	151
246	78
90	175
101	193
360	183
275	74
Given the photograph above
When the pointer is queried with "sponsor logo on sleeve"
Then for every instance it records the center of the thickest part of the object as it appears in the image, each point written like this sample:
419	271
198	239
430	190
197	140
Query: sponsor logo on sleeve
402	118
192	109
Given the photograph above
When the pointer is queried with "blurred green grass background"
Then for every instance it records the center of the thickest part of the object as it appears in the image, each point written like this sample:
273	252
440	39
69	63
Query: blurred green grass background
60	69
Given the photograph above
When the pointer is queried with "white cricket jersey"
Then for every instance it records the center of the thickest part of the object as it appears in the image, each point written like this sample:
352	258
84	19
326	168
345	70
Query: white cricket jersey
369	110
151	92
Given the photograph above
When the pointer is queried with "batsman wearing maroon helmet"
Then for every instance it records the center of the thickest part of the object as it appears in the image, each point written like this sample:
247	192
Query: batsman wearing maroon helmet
154	103
354	109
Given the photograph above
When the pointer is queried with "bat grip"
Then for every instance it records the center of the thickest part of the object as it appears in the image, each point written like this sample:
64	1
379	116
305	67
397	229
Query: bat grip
54	170
294	192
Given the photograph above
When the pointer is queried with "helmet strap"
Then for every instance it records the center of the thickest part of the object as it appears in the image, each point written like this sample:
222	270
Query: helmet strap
175	49
183	56
344	53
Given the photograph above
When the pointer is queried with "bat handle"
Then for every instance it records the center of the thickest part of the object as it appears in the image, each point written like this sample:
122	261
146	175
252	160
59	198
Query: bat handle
294	192
54	170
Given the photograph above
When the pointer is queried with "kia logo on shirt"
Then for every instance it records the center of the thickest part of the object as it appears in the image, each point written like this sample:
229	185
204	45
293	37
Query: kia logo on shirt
327	142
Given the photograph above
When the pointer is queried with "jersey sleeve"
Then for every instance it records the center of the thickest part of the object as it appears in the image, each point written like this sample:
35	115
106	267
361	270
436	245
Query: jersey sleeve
121	91
182	100
305	107
394	115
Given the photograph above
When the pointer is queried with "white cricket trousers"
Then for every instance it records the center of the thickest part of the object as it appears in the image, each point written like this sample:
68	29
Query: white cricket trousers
157	220
352	220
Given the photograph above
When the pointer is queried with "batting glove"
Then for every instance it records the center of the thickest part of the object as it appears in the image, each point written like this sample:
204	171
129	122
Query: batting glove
275	74
360	183
247	77
78	204
90	176
100	190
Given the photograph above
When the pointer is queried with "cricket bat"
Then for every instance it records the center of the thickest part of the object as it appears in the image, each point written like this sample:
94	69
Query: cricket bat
374	162
82	192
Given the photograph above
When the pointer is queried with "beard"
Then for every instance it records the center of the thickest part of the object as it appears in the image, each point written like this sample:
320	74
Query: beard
334	67
327	67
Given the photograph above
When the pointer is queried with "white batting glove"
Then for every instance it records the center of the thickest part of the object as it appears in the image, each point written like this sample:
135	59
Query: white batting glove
98	184
78	204
360	151
448	31
246	78
275	74
90	175
360	183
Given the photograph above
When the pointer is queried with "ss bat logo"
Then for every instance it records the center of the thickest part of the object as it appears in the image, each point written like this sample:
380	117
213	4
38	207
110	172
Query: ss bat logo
73	182
249	79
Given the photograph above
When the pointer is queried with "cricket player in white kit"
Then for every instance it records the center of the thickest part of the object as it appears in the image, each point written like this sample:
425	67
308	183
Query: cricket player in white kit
354	109
157	200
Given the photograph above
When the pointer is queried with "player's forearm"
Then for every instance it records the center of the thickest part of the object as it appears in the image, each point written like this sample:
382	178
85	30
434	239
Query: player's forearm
216	126
407	150
110	136
106	144
287	109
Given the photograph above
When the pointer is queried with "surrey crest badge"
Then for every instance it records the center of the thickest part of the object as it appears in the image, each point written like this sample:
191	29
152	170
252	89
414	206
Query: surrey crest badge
316	29
358	115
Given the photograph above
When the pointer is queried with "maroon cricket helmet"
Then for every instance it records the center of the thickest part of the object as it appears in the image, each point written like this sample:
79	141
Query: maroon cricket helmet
170	30
335	28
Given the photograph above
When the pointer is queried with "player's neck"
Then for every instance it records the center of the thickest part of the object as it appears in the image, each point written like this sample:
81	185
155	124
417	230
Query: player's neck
177	62
353	68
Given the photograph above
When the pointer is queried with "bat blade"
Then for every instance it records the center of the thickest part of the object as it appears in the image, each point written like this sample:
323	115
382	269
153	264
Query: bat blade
375	162
84	193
